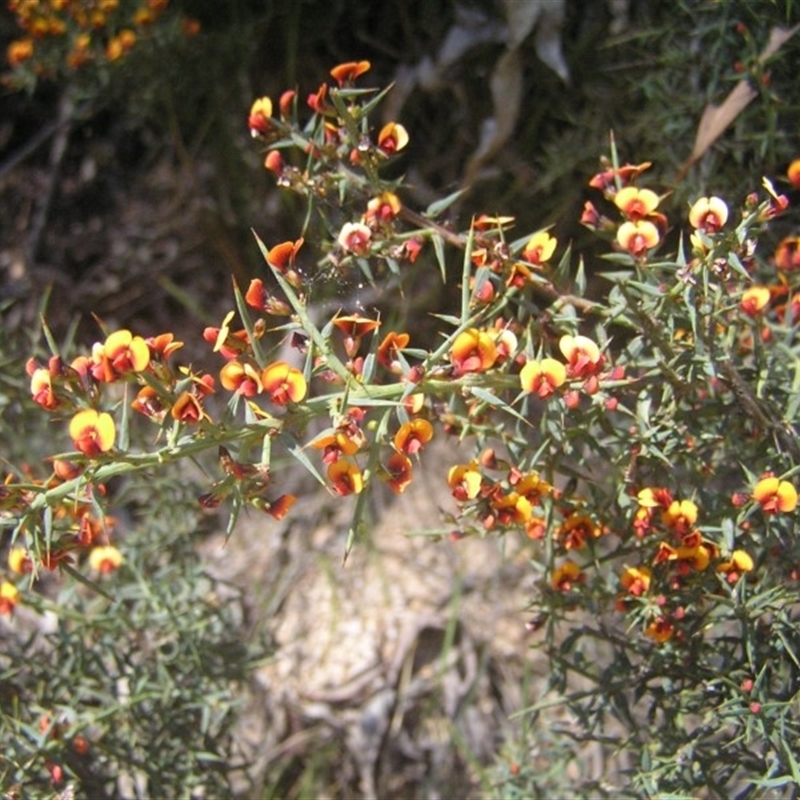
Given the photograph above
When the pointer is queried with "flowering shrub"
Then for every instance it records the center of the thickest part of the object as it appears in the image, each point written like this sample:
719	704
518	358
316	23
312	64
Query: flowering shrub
641	441
69	36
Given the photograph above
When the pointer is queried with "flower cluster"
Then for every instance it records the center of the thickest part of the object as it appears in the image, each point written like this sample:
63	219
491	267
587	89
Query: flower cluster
74	33
546	381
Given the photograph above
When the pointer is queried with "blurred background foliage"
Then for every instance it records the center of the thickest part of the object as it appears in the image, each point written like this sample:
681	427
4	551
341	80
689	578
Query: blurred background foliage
165	132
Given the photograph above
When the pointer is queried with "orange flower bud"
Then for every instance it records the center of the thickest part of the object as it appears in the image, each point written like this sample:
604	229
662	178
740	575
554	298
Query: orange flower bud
793	173
348	72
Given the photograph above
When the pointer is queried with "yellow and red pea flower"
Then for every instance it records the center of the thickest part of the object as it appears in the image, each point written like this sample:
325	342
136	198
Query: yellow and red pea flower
42	390
473	351
542	377
383	208
105	559
187	408
539	248
259	120
9	598
506	341
81	51
346	439
412	436
654	497
660	630
636	204
354	328
346	477
638	237
687	558
775	496
754	300
488	222
636	580
680	515
125	353
92	432
566	576
389	349
283	256
229	344
576	530
583	356
398	469
465	481
512	509
518	276
283	383
737	565
410	249
163	345
355	237
242	378
532	486
392	138
316	100
273	161
19	560
708	214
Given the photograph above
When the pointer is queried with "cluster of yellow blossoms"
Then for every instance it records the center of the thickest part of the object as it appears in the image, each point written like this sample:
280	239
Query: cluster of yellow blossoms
82	31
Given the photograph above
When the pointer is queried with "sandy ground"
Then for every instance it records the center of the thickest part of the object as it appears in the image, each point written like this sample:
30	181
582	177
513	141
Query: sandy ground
398	670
